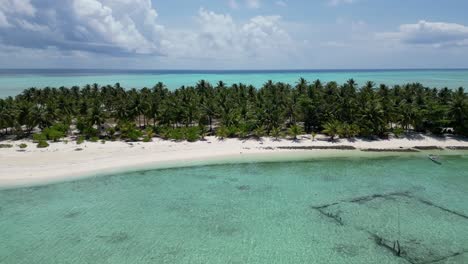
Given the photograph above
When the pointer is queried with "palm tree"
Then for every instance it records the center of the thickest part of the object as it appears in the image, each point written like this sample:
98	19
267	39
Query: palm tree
332	129
295	131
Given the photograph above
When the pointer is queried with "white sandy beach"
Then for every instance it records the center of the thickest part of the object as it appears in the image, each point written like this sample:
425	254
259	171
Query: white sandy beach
65	161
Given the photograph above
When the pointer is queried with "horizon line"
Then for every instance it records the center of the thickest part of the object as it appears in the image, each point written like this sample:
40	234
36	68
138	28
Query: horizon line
237	70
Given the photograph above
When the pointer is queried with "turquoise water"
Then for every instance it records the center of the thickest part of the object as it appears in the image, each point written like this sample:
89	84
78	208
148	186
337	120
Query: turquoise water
14	81
317	211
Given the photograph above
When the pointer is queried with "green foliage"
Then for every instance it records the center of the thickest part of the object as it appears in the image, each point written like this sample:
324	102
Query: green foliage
222	132
6	146
399	132
346	130
42	144
94	139
243	130
130	132
332	129
111	133
147	139
176	134
259	132
23	145
313	135
294	131
275	133
39	137
51	133
80	140
192	134
238	110
203	131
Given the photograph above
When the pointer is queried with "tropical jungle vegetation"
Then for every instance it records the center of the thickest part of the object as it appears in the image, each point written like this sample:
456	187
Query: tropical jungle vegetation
190	113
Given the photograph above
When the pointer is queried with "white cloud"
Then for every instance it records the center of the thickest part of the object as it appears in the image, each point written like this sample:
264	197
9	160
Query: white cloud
14	8
22	7
107	27
103	26
253	4
218	36
3	20
436	34
110	22
281	3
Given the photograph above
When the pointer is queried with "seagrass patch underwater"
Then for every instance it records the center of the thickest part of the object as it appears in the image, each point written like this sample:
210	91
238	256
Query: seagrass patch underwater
337	210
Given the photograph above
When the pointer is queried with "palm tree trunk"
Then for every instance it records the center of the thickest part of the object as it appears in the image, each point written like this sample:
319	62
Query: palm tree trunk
211	123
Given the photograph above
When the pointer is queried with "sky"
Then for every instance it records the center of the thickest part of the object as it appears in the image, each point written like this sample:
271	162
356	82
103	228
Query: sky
234	34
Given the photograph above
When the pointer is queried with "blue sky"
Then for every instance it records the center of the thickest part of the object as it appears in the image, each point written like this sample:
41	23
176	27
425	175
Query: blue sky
233	34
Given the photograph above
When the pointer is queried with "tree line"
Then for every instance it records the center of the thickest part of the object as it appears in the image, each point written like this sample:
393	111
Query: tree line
239	110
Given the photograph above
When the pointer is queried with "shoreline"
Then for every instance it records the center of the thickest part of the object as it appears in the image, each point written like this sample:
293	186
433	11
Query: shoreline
69	161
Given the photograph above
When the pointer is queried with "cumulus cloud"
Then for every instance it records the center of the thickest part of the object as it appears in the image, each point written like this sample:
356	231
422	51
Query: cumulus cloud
131	28
219	36
430	33
103	26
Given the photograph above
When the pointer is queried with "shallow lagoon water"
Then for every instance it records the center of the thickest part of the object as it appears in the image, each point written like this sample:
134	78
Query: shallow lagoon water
13	82
340	210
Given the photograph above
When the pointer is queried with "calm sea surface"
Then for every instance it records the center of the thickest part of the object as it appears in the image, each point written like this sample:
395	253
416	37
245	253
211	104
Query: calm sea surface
13	82
317	211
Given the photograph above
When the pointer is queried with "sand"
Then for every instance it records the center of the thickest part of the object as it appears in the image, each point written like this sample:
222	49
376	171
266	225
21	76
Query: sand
67	161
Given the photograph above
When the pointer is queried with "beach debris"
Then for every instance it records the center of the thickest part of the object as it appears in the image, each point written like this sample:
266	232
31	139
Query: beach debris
458	147
389	150
340	147
333	216
428	147
243	188
435	159
116	237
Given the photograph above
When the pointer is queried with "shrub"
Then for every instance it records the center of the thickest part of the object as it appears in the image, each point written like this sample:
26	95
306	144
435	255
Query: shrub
39	137
53	134
23	145
103	141
6	146
275	133
232	131
243	130
192	134
398	132
90	132
314	135
111	132
80	140
176	134
222	132
149	132
94	139
295	131
203	131
259	132
133	134
147	139
128	131
42	144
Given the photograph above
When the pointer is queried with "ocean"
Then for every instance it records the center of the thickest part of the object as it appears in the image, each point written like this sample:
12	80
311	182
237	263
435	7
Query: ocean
13	82
342	210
